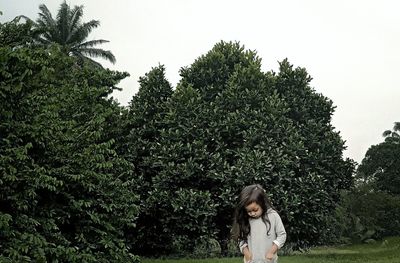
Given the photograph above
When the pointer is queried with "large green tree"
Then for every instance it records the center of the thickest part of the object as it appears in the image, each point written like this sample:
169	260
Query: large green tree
68	30
227	125
65	193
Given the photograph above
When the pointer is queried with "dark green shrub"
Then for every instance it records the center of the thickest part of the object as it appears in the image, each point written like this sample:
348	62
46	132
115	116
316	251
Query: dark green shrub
65	195
366	214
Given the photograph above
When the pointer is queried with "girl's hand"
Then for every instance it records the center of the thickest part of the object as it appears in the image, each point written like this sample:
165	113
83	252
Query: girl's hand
247	255
271	253
269	256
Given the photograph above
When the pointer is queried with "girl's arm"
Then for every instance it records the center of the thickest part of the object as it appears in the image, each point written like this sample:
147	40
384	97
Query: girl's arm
244	249
280	237
280	232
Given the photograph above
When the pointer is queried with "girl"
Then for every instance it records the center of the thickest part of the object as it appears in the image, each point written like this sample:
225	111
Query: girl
257	226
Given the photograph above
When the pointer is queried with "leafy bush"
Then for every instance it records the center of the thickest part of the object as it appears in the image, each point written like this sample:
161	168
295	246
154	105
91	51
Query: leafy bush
366	214
65	194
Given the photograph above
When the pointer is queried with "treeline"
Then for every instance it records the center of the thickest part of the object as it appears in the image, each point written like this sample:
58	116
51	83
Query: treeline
371	209
84	179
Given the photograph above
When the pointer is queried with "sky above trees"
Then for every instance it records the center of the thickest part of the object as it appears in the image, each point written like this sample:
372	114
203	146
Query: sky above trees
350	48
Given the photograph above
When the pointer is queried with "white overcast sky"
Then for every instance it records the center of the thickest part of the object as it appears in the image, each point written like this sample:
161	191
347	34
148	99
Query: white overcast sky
351	48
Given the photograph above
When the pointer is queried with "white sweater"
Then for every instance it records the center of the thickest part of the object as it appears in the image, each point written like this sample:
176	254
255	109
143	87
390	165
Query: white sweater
258	241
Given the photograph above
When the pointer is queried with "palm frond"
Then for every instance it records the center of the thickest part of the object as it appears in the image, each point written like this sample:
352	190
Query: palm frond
46	23
63	22
42	25
81	33
96	52
91	43
75	19
49	35
45	16
81	59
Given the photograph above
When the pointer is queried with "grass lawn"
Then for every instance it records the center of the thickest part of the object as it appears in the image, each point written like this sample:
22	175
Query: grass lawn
387	251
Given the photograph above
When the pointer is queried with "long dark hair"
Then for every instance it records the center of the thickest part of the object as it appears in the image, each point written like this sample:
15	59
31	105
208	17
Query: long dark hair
249	194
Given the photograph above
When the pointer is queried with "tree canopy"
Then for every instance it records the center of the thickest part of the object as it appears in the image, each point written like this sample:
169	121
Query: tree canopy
228	124
381	164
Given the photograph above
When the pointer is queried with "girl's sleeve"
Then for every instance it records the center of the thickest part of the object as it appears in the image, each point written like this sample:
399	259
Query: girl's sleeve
280	232
242	244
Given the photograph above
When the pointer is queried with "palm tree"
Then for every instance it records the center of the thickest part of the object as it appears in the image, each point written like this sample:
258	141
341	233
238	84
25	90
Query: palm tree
70	33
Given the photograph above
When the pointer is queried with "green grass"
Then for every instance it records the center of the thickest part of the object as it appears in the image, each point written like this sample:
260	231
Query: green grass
387	251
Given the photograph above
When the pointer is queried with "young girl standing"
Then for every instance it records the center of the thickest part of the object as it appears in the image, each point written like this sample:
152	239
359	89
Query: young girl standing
257	226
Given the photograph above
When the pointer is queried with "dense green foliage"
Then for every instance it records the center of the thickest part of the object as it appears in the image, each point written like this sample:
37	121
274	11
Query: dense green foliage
367	214
381	164
16	34
140	133
371	210
84	179
66	196
228	124
317	171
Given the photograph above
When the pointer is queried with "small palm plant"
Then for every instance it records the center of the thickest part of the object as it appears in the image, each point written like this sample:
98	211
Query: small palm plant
70	33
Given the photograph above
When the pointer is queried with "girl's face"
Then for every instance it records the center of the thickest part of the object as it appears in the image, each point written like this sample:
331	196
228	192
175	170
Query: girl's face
254	210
